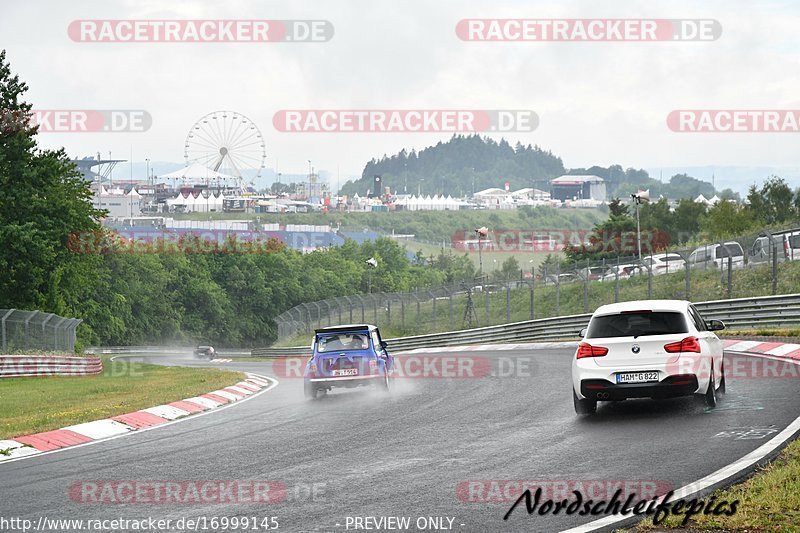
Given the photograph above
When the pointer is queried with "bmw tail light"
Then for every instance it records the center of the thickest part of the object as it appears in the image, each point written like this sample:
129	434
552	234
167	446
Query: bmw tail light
587	350
689	344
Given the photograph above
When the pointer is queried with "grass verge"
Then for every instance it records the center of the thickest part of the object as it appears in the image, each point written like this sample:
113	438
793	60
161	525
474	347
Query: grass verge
768	501
32	405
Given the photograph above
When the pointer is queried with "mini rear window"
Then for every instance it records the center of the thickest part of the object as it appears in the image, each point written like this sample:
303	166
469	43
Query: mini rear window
637	324
342	342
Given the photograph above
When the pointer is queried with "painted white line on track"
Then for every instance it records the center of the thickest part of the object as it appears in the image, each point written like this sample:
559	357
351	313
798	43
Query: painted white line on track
272	384
715	477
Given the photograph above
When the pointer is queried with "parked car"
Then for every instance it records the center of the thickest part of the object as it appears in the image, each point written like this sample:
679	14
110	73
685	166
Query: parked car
621	271
592	273
205	352
664	263
647	349
566	277
348	356
716	255
791	245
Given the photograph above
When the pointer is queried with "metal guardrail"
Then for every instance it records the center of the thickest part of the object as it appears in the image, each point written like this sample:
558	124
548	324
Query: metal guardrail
742	313
14	366
171	350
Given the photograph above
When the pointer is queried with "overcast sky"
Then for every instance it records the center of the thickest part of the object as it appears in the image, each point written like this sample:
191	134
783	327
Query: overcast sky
598	103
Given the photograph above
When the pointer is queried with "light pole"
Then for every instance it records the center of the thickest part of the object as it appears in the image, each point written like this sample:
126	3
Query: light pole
371	264
481	232
638	198
419	184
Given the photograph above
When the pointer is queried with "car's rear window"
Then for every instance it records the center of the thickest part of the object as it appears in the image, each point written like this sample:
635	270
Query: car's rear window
729	250
342	342
794	241
636	324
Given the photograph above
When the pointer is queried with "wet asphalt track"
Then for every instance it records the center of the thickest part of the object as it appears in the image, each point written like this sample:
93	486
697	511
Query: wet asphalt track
405	454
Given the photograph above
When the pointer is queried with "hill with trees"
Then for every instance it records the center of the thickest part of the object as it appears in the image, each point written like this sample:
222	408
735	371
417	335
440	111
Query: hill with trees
469	163
460	166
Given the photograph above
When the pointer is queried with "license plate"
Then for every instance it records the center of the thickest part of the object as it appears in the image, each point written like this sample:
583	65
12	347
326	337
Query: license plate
346	372
637	377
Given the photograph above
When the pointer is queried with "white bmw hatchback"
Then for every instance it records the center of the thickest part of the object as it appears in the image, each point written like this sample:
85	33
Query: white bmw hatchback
647	349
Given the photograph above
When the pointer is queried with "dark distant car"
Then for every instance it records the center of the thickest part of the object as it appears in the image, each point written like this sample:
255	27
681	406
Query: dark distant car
205	352
348	356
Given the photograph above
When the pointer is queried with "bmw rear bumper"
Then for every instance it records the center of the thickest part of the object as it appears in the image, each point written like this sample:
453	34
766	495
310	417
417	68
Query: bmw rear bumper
670	387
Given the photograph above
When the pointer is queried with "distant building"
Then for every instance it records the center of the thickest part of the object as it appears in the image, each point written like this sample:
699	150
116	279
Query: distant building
529	193
578	187
118	203
493	198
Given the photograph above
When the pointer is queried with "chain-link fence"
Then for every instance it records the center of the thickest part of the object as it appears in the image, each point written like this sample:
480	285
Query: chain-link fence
23	331
756	265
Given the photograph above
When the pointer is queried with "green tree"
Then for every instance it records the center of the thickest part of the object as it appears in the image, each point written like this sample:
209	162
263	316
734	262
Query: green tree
687	220
43	200
727	219
508	270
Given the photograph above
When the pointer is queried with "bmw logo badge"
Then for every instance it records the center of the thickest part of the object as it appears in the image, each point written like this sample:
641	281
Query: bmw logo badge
635	348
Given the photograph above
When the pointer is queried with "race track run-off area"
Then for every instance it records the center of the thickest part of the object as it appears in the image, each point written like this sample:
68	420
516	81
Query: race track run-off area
445	453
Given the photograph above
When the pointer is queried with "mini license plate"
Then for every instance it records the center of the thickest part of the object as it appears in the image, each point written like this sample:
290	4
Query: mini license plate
346	372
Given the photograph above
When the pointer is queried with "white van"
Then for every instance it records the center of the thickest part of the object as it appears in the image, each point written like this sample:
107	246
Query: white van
791	245
716	255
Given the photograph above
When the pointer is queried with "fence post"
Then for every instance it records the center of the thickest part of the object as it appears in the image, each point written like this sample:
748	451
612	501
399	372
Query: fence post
433	296
488	303
3	326
55	333
450	295
586	289
774	269
616	282
27	328
533	297
688	280
558	288
730	276
508	302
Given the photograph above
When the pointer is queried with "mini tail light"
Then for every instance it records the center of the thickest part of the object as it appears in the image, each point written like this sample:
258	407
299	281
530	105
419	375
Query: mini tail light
587	350
689	344
373	367
312	368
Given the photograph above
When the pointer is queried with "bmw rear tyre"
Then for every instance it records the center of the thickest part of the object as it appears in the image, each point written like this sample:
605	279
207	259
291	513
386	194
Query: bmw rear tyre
585	406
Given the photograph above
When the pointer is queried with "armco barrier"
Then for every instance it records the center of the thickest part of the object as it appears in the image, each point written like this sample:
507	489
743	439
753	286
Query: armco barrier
15	366
740	314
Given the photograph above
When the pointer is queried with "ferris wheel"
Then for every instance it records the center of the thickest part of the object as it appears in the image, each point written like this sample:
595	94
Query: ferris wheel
227	142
